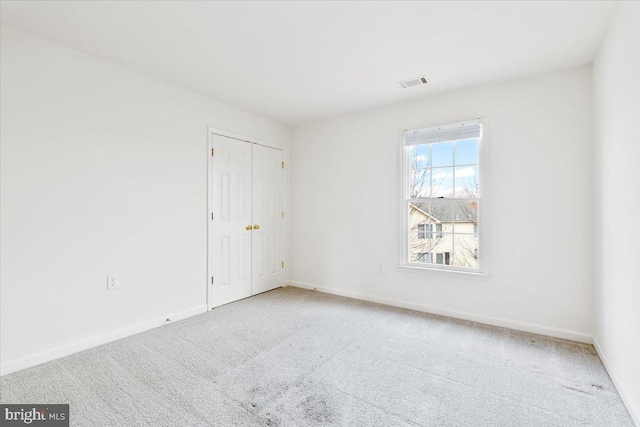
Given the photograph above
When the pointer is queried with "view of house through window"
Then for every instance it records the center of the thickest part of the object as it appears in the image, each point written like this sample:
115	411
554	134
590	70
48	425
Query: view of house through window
442	188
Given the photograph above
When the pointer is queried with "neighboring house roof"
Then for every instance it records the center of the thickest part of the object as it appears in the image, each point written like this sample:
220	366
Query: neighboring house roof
449	212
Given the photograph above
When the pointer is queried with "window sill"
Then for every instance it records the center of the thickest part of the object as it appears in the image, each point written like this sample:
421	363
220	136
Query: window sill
443	272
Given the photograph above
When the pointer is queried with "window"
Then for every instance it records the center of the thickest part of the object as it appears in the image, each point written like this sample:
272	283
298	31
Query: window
425	257
442	196
424	231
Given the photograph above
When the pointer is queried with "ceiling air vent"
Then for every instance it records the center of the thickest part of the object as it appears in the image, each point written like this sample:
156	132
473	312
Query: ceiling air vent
412	82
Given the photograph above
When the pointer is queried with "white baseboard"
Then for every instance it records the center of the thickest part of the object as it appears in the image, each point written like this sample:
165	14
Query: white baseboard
634	411
65	350
494	321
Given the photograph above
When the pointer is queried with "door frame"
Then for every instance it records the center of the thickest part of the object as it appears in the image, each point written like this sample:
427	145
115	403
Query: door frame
214	131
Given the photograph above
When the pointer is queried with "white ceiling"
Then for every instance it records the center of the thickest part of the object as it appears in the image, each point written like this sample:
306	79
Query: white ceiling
300	61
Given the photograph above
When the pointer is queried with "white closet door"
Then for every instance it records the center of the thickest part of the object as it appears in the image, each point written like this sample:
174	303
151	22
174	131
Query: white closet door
267	214
230	245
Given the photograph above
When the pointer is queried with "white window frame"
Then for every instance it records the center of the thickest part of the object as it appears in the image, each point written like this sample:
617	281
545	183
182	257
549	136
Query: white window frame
483	259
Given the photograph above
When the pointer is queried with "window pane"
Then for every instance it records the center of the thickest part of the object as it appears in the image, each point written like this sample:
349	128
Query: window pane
467	181
420	156
419	221
440	215
466	251
418	214
418	247
419	183
442	154
465	215
442	249
467	152
442	182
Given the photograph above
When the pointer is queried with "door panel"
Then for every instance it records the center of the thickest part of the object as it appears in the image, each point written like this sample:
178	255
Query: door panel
267	213
230	240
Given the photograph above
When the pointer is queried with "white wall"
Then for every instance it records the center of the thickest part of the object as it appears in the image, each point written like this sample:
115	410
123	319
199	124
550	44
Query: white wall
617	202
345	205
103	171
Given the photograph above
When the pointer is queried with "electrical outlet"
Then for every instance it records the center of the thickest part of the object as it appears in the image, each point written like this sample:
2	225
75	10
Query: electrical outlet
112	282
379	268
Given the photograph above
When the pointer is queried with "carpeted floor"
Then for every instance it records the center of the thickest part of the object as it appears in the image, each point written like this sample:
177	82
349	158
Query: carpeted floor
293	357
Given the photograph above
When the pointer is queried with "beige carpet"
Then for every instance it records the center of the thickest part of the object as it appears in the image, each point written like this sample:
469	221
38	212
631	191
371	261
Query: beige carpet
293	357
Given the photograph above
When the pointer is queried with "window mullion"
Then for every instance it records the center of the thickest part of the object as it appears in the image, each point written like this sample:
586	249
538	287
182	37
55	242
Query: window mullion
430	171
454	170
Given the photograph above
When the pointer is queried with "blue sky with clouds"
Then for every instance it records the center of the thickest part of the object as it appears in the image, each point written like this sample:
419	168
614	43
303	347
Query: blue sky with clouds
442	159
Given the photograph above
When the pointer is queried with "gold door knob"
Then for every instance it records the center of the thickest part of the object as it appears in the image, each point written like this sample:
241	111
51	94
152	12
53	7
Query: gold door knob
248	227
255	227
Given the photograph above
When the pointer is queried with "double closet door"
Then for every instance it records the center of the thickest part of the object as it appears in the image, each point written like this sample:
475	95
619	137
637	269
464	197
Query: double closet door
246	234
